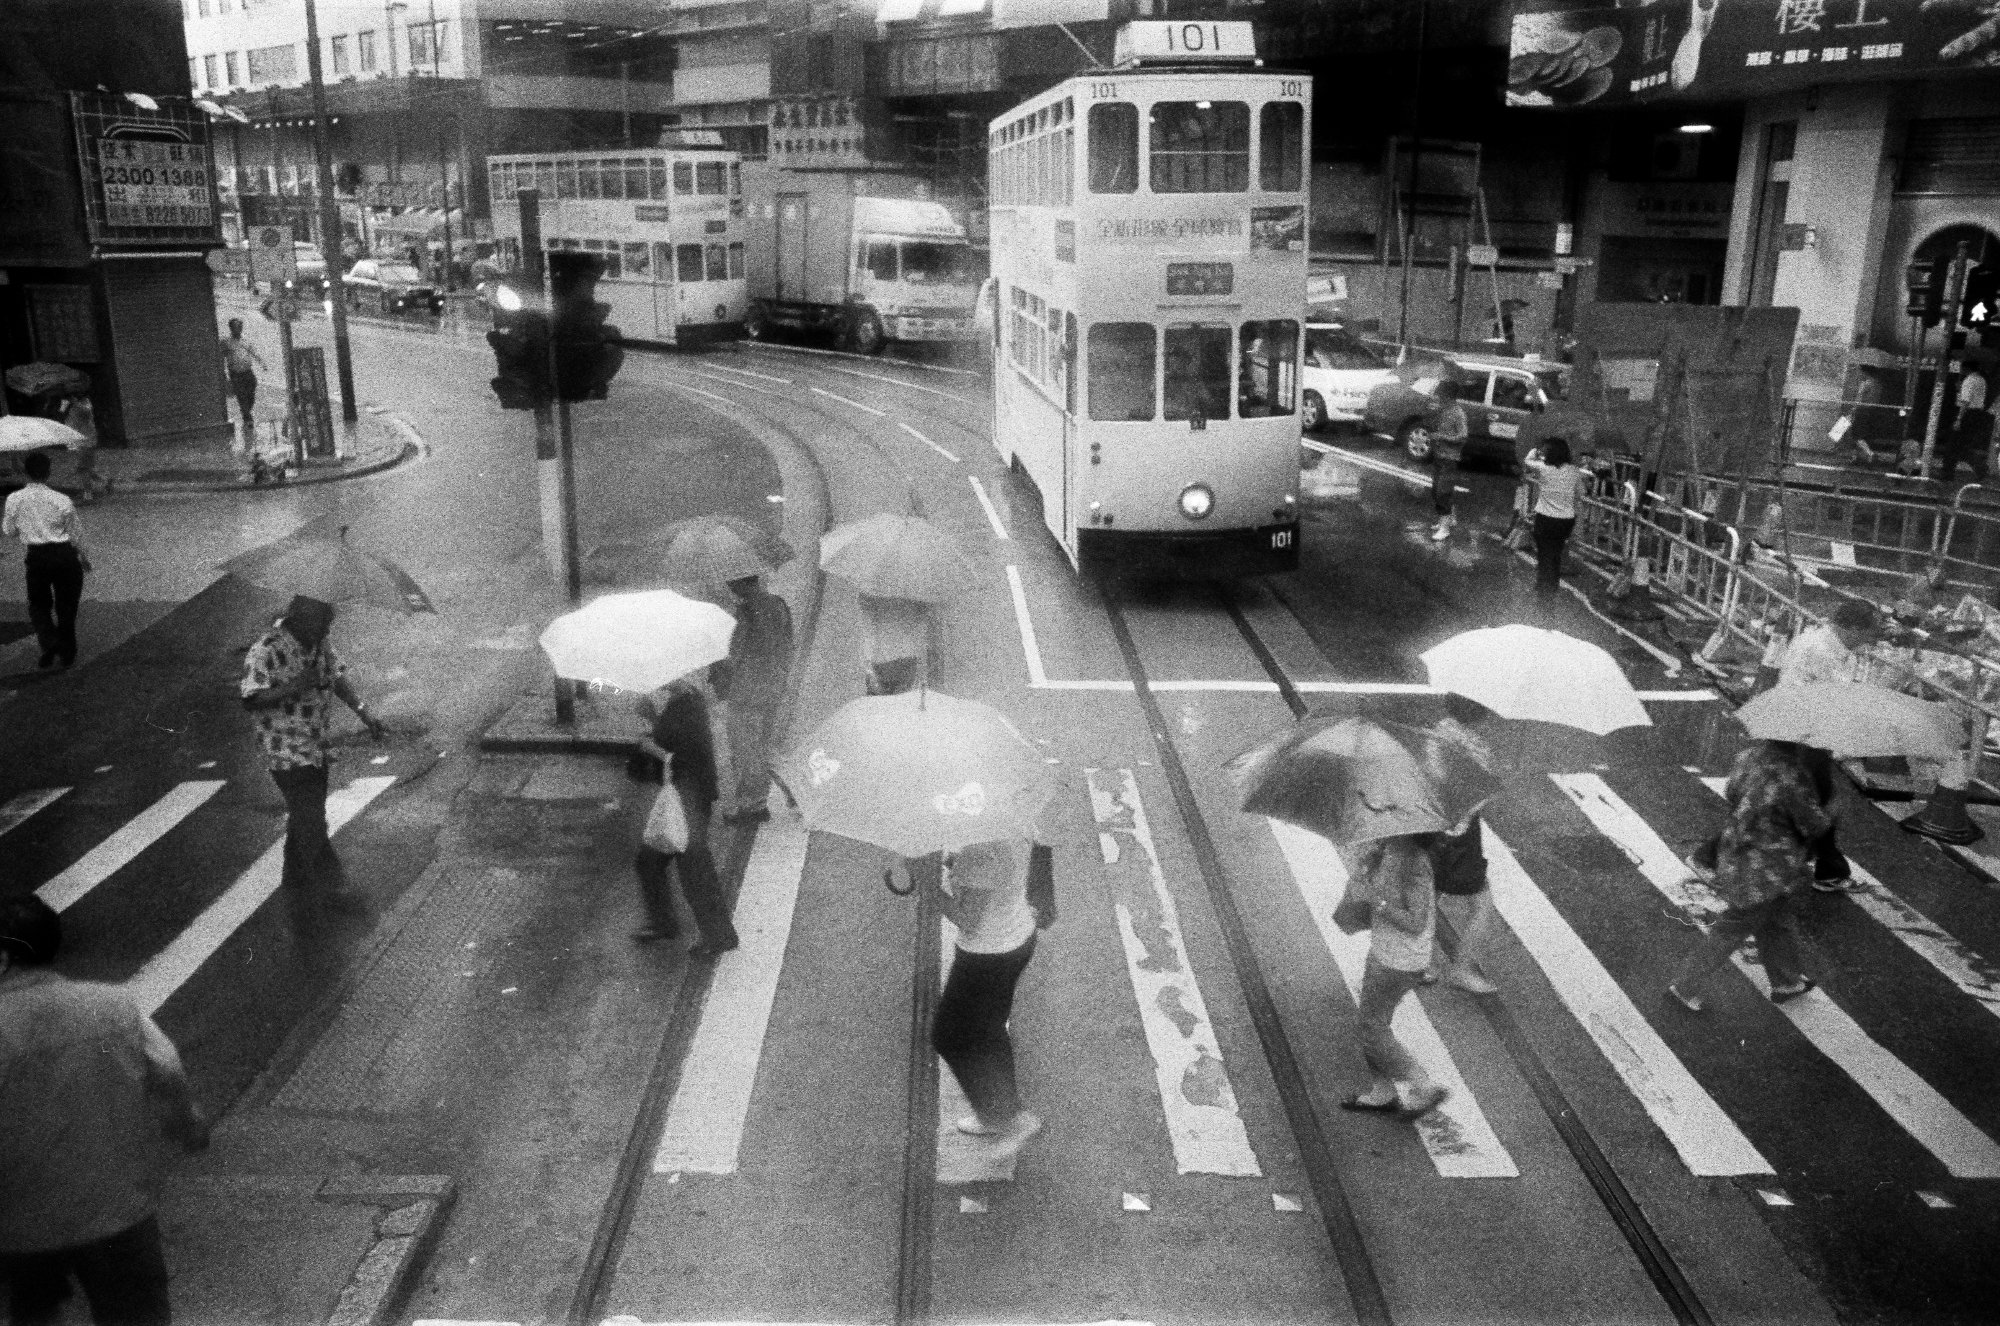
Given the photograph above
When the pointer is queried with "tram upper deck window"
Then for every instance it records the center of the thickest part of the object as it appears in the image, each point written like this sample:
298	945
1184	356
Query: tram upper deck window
1200	147
684	178
928	261
879	257
1267	376
635	177
1119	369
656	179
566	179
1114	148
1281	127
1197	376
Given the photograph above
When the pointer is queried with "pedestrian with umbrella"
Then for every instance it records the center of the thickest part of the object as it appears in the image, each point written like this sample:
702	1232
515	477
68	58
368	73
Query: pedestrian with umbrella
751	683
1762	866
681	739
45	522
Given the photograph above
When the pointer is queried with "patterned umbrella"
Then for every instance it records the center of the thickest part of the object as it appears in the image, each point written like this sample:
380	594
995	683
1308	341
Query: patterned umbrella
897	557
27	432
1353	780
637	642
919	772
332	571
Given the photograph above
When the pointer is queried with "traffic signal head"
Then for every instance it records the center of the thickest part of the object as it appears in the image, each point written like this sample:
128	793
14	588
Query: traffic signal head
520	341
1981	305
588	353
1925	286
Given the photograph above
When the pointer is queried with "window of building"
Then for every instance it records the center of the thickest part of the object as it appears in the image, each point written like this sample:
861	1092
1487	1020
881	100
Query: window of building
204	8
735	179
224	6
1197	371
687	262
1200	147
274	64
736	261
684	179
428	44
212	66
338	56
194	71
717	268
1281	128
711	177
879	257
364	50
1267	377
230	64
1114	154
1119	357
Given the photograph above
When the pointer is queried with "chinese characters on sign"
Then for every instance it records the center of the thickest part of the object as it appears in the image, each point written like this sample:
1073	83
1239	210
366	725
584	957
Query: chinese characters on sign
818	131
154	184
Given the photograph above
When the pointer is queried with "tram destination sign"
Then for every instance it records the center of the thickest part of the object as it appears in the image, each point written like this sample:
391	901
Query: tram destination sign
1201	278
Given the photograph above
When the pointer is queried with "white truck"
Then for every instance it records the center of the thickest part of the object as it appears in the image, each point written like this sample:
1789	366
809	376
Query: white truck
861	254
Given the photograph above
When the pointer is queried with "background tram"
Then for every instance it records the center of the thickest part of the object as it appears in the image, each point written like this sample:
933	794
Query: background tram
1149	272
667	221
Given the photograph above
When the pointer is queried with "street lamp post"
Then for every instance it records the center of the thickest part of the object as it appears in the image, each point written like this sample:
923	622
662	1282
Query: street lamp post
329	221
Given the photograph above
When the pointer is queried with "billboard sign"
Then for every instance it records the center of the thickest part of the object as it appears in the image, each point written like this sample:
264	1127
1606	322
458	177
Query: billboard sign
1563	53
155	184
148	174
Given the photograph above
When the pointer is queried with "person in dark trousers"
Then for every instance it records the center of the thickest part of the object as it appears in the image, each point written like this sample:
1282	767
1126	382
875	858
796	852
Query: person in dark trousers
241	361
1972	436
290	676
89	1087
1557	482
1448	429
985	892
681	738
44	520
752	684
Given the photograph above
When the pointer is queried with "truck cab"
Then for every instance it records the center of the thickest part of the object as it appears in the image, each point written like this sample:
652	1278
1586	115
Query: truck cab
913	271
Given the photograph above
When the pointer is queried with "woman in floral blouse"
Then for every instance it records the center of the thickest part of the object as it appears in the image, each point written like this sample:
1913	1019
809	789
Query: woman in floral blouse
1763	861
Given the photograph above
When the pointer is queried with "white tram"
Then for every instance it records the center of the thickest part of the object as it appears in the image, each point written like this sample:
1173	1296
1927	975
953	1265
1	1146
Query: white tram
1149	275
668	223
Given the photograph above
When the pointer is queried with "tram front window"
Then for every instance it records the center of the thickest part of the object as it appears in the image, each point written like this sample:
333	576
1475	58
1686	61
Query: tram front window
1120	371
1200	147
1114	147
1197	377
927	261
1266	380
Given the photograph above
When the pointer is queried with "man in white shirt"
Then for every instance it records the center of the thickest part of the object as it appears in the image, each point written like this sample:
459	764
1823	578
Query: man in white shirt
1827	653
45	521
1972	434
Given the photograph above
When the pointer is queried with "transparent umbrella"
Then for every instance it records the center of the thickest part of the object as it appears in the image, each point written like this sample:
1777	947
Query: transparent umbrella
1353	780
332	571
897	557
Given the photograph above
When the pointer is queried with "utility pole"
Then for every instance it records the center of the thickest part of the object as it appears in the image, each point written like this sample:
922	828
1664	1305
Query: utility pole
329	222
1954	339
554	456
1416	168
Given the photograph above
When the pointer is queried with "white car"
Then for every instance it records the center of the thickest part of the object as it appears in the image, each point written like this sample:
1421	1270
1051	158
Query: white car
1339	374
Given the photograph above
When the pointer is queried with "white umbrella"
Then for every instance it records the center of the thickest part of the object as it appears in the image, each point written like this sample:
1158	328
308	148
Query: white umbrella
1527	672
28	432
637	642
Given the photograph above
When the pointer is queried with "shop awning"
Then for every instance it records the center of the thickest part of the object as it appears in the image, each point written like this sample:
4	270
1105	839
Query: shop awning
414	221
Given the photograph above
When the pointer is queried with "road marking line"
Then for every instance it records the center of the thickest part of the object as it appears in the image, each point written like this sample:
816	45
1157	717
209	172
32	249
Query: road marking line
1971	973
1195	1093
26	805
847	354
699	392
986	504
1912	1103
834	395
1709	1142
170	968
704	1129
131	838
1461	1143
1369	463
934	447
749	373
1029	648
740	386
913	386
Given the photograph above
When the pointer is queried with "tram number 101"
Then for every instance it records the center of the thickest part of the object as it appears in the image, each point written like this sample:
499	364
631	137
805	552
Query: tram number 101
1281	538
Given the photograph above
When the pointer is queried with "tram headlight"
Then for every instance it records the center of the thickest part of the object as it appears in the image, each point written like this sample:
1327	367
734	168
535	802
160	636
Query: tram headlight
1197	500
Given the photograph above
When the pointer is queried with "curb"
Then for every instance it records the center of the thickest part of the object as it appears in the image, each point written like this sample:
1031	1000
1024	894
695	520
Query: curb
409	450
405	1233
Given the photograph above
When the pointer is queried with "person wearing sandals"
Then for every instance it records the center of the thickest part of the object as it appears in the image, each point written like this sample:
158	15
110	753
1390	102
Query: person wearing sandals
681	740
1395	874
1763	863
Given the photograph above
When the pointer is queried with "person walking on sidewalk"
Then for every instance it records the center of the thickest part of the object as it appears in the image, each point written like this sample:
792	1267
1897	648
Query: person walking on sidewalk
89	1086
1762	865
985	892
1972	435
289	677
241	361
681	739
1830	652
751	682
1557	482
44	520
1394	877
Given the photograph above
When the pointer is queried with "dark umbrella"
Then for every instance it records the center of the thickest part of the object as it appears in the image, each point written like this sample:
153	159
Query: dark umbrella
1354	780
42	378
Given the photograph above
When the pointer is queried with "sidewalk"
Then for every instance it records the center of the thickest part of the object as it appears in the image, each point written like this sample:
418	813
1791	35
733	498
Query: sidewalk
378	440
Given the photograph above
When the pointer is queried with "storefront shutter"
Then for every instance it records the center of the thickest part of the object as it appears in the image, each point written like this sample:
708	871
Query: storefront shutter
1955	156
163	343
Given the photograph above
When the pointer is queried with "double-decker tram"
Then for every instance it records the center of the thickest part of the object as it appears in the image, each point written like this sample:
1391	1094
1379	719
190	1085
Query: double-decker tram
668	223
1149	265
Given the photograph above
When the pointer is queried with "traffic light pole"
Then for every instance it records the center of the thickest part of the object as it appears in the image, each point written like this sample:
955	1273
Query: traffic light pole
1954	291
329	221
554	462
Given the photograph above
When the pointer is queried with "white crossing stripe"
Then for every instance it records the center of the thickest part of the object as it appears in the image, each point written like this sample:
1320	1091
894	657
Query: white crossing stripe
1709	1143
24	806
1964	968
1461	1143
126	842
170	968
1931	1120
1195	1093
704	1130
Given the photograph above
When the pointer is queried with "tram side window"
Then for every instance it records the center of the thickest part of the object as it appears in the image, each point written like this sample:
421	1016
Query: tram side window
1066	169
880	259
736	261
636	265
711	177
684	178
613	176
1069	362
1267	377
1196	384
589	181
635	177
1200	147
1114	150
687	265
656	179
566	179
663	259
1280	146
1118	367
545	178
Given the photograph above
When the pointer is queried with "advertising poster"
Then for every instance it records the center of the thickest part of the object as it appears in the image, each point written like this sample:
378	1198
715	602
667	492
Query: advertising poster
1613	52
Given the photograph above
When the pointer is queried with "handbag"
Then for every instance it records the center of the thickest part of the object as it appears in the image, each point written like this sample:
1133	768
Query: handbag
666	823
